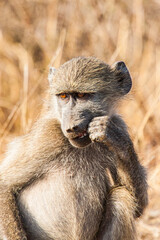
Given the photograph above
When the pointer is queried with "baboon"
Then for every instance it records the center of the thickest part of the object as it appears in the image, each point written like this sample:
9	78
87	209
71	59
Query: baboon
75	175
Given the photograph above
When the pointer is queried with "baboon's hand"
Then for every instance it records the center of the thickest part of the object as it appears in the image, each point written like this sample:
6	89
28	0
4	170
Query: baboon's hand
98	129
110	130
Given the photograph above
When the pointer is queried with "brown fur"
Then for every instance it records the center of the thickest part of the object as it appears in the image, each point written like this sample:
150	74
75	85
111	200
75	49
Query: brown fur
53	186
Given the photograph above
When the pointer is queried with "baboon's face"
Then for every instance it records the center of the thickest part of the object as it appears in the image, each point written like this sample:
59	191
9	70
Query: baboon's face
84	88
76	110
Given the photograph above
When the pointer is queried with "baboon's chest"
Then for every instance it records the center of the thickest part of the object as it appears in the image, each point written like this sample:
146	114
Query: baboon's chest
63	205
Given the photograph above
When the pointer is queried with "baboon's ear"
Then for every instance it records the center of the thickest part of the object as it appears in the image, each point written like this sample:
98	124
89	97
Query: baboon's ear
122	76
52	71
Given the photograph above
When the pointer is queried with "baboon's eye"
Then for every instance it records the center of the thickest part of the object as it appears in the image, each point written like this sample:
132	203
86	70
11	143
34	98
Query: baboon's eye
81	95
63	95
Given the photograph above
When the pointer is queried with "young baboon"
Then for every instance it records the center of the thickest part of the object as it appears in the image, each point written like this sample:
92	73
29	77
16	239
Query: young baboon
75	175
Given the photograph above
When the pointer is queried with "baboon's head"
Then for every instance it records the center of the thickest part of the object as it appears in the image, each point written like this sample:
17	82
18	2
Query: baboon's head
84	88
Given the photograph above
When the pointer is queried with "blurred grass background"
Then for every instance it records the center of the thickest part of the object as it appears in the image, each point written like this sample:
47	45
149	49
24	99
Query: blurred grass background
35	34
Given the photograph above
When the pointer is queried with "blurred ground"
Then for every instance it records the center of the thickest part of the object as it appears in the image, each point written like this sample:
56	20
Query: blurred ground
35	34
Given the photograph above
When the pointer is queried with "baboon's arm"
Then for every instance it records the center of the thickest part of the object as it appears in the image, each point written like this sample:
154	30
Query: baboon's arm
112	131
26	159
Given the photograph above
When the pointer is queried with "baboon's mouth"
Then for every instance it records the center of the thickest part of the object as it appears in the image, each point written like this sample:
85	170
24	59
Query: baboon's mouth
82	134
81	140
78	135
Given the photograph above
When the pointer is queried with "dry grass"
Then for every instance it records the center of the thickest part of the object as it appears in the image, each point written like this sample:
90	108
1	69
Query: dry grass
36	33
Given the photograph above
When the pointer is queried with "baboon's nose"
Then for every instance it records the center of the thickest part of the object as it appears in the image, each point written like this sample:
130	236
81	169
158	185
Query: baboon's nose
72	129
